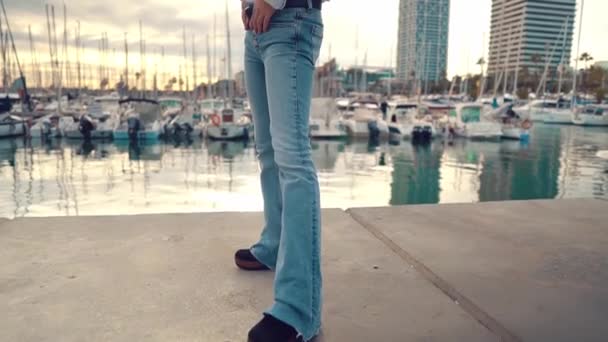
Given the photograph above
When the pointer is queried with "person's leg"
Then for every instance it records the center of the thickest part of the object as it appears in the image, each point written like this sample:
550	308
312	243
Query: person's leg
289	51
267	247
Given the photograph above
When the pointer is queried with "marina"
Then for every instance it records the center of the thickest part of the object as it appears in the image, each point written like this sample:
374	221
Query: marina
67	177
463	190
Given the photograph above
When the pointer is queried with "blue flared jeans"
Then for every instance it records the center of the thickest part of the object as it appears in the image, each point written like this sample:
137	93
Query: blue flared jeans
279	67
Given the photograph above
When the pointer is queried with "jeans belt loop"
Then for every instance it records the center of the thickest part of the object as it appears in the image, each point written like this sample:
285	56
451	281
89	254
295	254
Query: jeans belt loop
309	4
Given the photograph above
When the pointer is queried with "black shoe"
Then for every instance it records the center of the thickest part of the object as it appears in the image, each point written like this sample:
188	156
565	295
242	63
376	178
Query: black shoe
246	261
270	329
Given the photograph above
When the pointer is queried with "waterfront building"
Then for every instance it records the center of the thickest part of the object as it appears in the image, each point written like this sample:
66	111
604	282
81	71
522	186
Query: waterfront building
525	32
422	42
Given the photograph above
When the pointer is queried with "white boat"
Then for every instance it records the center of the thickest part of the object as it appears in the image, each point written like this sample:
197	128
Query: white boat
466	121
170	105
88	127
365	121
209	107
46	127
410	123
11	126
595	115
98	122
188	122
559	116
229	125
141	120
324	121
512	124
548	111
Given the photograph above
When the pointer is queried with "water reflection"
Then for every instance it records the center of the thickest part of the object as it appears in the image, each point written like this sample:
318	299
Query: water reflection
63	177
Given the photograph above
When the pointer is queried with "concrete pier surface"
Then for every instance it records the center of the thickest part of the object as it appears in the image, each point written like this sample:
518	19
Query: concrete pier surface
511	271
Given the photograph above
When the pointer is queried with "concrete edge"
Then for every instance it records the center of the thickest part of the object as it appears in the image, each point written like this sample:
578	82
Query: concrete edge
540	200
215	213
484	318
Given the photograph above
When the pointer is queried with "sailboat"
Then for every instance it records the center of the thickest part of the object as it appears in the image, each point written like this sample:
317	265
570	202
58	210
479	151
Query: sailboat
412	121
593	115
228	123
141	120
516	127
324	121
467	121
11	126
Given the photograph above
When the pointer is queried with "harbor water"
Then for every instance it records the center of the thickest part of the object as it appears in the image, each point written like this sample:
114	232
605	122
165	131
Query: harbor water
70	177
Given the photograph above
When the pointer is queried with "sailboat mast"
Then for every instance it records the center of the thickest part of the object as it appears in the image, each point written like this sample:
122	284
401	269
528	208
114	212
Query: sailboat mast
214	74
507	61
194	84
9	33
520	42
356	72
32	61
145	69
4	64
578	47
58	70
162	67
48	24
561	60
229	53
78	56
209	76
365	72
126	64
141	59
185	60
66	56
549	58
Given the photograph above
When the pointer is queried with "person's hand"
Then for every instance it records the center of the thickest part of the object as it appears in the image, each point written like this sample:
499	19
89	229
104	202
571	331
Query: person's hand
244	16
262	12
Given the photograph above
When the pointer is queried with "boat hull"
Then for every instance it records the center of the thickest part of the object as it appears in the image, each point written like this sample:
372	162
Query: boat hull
591	120
480	131
366	129
149	135
12	130
515	133
227	132
558	118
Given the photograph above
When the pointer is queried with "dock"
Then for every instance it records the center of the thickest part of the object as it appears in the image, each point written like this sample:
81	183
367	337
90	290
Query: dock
496	271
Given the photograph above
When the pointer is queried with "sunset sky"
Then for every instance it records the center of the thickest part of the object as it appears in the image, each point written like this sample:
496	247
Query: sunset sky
163	22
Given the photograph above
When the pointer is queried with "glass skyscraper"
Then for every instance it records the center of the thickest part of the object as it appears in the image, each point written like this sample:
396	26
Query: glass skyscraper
525	32
422	45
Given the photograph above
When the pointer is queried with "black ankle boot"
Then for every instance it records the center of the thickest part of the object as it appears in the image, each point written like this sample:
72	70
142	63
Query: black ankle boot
270	329
246	261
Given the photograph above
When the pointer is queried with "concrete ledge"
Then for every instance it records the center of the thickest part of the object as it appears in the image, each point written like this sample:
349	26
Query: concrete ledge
532	271
171	278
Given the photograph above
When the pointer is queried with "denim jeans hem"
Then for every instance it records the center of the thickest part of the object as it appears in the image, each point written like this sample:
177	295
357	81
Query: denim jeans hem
286	315
261	257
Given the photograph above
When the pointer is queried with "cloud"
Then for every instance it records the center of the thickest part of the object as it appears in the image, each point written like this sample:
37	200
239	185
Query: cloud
163	22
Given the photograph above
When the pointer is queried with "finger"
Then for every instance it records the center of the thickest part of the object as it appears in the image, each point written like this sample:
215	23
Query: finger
245	20
259	22
254	20
266	23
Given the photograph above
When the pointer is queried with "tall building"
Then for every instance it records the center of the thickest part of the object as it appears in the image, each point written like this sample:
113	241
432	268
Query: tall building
524	33
422	44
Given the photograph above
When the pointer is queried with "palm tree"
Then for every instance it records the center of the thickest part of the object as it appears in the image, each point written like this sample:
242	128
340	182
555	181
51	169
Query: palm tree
585	57
481	62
